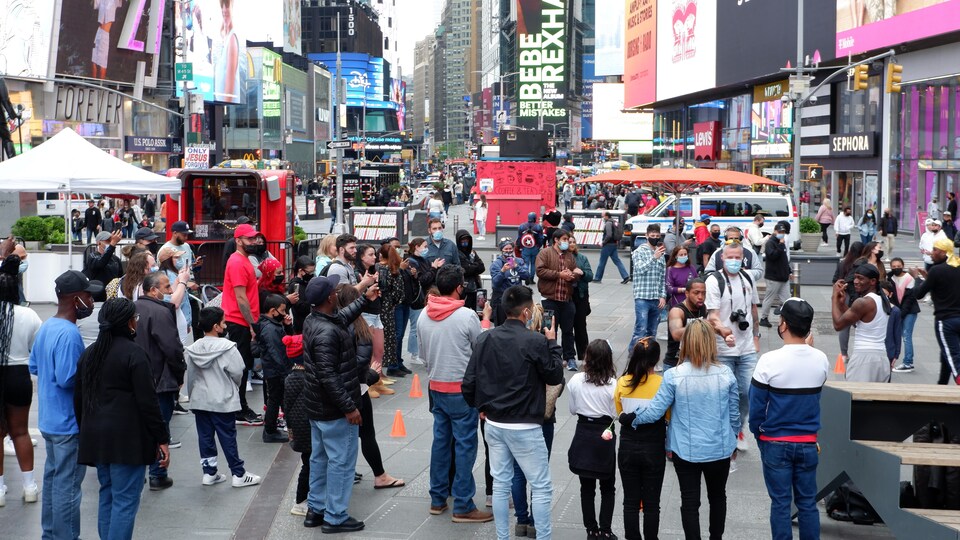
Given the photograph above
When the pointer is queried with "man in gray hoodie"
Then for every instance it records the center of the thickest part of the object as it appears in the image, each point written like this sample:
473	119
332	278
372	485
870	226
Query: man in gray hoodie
214	370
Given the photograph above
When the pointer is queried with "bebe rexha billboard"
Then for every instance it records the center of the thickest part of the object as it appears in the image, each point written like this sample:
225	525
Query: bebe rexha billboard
866	26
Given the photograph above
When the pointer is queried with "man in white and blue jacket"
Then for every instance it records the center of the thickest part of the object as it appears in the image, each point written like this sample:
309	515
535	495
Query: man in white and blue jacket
785	418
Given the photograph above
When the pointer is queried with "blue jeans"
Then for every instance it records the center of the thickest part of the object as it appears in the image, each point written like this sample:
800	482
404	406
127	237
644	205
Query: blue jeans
908	322
609	251
529	256
528	449
413	347
62	478
120	489
742	368
647	313
333	463
454	431
166	400
790	472
401	316
519	488
224	426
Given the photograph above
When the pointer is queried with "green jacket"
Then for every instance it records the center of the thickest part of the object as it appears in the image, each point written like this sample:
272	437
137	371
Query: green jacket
582	287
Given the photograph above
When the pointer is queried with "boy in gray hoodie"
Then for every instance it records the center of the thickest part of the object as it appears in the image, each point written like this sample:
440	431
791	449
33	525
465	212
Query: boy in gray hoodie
214	370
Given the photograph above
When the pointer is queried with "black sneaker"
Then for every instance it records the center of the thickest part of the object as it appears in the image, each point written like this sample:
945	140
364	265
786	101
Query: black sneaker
250	418
395	372
404	369
765	323
626	280
357	477
275	437
350	525
903	368
178	409
160	483
256	378
174	444
313	519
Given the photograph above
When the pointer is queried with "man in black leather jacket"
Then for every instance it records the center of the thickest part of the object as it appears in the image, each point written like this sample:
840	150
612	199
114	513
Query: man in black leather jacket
333	402
102	263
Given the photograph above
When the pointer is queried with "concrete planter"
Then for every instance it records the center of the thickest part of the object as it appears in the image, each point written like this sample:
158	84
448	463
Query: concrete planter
810	242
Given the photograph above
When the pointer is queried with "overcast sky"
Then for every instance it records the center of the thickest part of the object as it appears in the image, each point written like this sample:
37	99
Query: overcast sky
416	19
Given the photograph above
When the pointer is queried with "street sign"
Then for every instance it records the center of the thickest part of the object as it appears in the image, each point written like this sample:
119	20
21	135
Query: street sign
783	131
816	173
369	173
778	171
184	71
338	145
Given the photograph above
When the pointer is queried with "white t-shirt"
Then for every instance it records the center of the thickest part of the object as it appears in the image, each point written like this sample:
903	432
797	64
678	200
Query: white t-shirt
26	324
435	206
481	211
740	294
793	367
589	399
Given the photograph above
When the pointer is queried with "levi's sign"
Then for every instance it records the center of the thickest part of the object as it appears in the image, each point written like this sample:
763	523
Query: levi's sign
856	144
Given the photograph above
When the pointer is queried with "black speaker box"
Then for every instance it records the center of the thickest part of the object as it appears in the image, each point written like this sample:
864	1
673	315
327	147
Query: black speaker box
527	144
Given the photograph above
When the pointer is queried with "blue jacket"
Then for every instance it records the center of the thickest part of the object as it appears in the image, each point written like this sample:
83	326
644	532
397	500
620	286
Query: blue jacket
785	393
704	412
503	280
446	251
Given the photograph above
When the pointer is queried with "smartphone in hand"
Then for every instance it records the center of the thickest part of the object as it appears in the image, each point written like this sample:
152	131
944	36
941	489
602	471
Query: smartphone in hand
547	319
481	299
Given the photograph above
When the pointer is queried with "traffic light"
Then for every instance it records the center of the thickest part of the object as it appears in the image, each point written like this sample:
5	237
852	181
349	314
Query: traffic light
894	76
860	76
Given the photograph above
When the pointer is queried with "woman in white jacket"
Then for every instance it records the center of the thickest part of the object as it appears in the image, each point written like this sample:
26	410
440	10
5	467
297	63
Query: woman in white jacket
480	217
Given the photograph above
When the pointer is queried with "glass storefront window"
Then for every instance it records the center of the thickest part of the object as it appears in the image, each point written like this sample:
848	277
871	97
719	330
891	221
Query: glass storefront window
673	133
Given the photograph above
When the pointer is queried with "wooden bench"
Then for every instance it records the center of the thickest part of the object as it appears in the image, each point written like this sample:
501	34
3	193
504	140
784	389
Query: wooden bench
862	439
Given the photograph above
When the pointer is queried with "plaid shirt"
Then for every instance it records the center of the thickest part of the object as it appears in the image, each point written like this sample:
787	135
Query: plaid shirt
649	274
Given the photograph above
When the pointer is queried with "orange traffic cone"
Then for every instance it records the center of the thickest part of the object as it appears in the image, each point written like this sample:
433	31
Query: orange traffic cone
839	368
415	390
398	428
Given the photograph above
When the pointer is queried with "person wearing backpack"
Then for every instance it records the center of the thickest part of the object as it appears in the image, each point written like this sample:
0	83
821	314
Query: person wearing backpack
869	361
612	233
530	240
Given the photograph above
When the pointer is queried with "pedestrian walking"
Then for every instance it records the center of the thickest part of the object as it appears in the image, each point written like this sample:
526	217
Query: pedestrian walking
701	394
888	230
777	270
480	217
867	226
843	226
608	250
593	452
114	394
556	272
505	380
641	457
785	418
904	297
649	285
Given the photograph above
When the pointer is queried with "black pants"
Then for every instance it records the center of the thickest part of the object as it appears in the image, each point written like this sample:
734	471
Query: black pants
303	481
499	314
845	240
274	389
641	472
564	313
240	335
580	336
823	232
368	437
608	494
688	476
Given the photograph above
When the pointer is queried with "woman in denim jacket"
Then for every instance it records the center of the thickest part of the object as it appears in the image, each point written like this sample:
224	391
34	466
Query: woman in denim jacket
702	397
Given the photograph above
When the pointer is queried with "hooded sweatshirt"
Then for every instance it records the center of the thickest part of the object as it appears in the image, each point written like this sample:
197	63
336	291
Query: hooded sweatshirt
214	370
446	337
471	263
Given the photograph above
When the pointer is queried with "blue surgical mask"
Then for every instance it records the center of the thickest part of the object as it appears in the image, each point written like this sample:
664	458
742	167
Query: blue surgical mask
23	266
564	246
732	265
683	260
438	236
424	251
780	236
154	268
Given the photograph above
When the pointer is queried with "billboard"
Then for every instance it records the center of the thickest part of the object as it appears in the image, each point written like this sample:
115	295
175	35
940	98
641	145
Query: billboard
366	81
541	61
586	107
398	96
609	31
865	26
25	38
610	123
291	27
687	47
772	24
217	48
105	39
640	53
771	123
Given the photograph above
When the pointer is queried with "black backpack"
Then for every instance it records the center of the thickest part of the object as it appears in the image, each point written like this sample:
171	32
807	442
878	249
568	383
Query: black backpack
722	281
326	269
617	231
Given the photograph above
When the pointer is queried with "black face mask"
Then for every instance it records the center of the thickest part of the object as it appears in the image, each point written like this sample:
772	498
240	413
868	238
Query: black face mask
879	254
222	334
896	271
83	311
715	235
307	277
257	249
277	280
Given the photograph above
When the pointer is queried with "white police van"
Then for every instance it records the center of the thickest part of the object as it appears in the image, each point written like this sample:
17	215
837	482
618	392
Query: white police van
724	208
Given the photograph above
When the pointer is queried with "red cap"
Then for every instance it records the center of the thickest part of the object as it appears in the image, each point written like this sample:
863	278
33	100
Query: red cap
245	230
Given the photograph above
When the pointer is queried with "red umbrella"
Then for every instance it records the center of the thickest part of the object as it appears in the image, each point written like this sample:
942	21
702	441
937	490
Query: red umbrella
681	181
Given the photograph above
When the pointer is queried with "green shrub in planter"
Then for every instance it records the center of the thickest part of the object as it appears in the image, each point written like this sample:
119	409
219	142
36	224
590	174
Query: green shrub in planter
299	235
31	229
808	225
55	225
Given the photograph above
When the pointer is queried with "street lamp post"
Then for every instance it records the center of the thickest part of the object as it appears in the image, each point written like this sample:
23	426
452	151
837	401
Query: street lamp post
502	108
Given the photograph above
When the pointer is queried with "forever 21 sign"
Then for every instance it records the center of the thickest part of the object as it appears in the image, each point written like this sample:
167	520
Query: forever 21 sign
89	105
855	144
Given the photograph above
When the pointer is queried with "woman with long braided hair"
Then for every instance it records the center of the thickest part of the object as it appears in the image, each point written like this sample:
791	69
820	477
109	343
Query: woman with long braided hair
114	393
18	328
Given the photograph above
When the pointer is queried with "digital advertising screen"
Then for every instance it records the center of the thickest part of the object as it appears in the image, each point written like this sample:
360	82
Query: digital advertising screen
541	60
586	107
640	53
216	47
686	47
365	77
867	25
26	27
610	123
609	32
291	27
771	128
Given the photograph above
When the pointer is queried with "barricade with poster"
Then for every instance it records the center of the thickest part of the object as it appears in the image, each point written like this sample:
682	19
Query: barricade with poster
377	222
588	226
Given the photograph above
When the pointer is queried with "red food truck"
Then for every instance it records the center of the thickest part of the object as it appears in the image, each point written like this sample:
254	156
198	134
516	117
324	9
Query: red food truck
212	200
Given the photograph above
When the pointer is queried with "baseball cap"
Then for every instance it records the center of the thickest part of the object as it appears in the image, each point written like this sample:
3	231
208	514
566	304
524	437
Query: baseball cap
245	230
103	236
782	226
181	227
947	214
168	252
928	221
704	217
145	233
243	219
320	288
797	312
73	281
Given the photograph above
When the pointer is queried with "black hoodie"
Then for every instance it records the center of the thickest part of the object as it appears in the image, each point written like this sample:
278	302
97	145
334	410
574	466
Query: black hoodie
471	263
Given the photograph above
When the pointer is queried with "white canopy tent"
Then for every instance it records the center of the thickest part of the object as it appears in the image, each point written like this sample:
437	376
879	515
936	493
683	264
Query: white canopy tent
68	163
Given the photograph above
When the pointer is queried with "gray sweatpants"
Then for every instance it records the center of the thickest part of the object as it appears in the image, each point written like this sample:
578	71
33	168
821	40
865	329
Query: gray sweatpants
868	366
775	290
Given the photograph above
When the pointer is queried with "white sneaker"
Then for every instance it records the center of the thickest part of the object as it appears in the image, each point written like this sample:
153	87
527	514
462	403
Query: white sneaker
742	443
31	493
299	509
183	398
416	361
3	496
211	479
248	479
733	465
249	387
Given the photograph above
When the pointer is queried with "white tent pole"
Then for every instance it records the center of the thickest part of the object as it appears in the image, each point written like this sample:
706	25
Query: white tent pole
66	218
